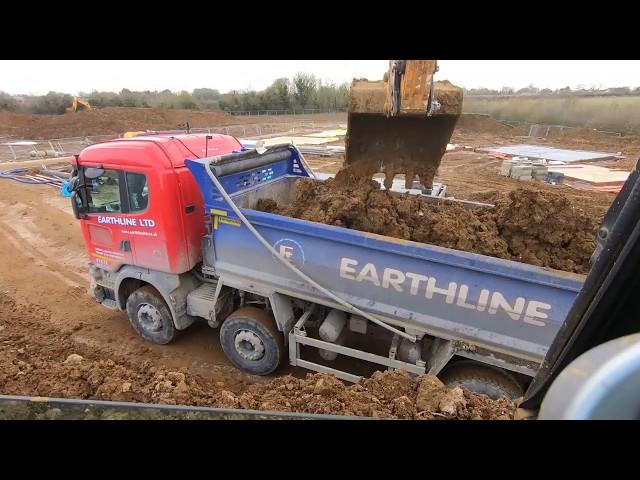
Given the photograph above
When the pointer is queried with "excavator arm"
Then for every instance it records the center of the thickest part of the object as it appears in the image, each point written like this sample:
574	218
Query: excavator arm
403	123
80	104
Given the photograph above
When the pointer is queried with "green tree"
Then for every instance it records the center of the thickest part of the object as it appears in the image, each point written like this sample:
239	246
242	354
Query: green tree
185	101
7	102
282	89
128	98
206	98
305	85
53	103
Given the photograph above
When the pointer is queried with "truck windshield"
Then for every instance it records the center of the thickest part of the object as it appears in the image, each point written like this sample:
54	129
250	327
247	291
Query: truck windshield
103	194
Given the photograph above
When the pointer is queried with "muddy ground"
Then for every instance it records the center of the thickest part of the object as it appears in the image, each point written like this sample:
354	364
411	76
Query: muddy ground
46	315
117	120
40	360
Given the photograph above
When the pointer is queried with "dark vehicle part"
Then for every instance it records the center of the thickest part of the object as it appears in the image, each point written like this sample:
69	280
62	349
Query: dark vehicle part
601	384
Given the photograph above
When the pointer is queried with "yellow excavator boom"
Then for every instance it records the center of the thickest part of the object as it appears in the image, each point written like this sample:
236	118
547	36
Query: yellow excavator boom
80	102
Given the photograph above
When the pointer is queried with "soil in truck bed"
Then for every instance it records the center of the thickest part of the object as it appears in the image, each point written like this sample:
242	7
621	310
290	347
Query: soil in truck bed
540	228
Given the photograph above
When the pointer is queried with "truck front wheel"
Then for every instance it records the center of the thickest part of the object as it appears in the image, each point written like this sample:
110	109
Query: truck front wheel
150	317
251	341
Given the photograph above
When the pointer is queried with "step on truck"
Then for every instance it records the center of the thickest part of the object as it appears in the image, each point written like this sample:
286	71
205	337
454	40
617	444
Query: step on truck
172	236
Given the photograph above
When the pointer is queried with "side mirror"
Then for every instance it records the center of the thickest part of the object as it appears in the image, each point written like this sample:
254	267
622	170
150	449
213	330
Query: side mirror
74	204
74	183
92	173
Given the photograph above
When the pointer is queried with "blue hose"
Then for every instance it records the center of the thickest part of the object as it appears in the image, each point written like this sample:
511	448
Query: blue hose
11	175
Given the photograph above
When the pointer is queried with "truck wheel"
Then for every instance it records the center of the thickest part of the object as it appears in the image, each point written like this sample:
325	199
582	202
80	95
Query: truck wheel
481	379
251	341
150	317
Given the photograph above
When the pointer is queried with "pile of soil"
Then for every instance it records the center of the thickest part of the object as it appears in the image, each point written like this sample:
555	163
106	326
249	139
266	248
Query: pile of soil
36	360
103	121
536	227
482	124
590	139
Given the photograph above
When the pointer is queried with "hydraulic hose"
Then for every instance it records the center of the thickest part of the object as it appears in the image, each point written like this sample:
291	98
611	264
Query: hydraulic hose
12	175
350	308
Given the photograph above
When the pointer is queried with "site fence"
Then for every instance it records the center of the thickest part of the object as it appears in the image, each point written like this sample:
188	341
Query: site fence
24	149
258	113
541	131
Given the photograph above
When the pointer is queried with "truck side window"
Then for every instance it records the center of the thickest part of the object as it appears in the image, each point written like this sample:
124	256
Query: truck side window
103	194
138	191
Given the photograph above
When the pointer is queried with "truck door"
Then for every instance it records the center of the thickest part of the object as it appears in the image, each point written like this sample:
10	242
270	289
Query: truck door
148	214
104	225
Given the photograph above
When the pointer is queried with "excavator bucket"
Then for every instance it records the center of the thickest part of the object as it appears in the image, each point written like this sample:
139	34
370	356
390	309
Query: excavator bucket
402	124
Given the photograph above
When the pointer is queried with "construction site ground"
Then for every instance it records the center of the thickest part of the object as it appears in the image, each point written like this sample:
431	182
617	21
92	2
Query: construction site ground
46	315
117	120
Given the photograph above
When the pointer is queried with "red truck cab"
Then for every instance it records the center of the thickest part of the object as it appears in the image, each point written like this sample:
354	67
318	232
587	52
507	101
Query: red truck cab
142	218
145	208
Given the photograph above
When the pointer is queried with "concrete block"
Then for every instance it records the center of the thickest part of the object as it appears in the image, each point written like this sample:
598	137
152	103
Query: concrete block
505	169
518	171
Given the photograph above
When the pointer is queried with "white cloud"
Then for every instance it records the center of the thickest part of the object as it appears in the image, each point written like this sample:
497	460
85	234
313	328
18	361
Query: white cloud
541	73
75	76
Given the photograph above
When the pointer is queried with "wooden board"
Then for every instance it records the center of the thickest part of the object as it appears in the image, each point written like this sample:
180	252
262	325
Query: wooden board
341	132
592	174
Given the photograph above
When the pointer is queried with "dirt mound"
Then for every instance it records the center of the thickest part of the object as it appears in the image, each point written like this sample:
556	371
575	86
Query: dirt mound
36	360
389	394
481	124
112	120
590	139
540	228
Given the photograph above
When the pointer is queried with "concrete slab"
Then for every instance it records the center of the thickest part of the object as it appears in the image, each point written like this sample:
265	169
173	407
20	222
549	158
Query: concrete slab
549	153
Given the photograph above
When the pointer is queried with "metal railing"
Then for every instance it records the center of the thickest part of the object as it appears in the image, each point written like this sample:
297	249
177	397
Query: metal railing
42	408
542	130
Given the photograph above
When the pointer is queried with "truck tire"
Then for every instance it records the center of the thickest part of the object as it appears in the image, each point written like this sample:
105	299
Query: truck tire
482	379
251	341
150	317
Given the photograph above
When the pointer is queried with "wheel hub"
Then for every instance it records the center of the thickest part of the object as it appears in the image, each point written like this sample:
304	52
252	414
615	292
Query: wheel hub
249	345
149	318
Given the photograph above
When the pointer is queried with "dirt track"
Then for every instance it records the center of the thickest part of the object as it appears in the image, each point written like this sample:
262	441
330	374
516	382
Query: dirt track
39	359
44	268
47	315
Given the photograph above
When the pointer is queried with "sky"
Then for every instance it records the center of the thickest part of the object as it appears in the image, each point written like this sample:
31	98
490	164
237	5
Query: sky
75	76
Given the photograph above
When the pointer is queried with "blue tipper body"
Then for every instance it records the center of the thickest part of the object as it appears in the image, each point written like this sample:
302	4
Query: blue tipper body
492	303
